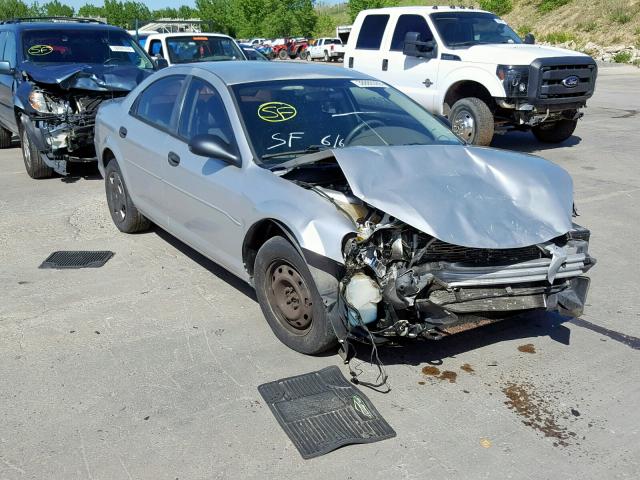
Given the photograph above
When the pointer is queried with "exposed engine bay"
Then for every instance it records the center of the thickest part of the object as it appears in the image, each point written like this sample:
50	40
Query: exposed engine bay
402	282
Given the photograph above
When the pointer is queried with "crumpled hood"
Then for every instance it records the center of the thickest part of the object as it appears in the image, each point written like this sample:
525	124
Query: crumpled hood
512	54
100	78
469	196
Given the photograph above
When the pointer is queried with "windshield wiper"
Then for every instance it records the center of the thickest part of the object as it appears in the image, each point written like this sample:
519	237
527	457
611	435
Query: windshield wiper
309	149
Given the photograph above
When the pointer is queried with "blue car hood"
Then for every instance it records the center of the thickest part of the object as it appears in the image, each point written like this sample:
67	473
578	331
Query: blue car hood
469	196
93	77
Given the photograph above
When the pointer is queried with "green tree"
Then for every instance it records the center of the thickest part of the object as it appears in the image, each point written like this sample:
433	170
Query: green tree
13	9
91	11
356	6
56	9
325	26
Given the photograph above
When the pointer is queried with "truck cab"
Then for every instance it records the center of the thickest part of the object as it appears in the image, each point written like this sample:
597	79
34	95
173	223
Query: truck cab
470	66
193	47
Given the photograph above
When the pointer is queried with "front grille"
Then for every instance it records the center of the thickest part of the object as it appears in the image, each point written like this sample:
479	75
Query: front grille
442	251
552	76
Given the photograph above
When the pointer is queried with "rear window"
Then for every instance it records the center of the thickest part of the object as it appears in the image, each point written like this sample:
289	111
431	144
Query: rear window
200	48
372	31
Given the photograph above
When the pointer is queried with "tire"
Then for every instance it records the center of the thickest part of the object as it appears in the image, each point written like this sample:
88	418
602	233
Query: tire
554	132
33	163
304	55
283	55
326	56
290	300
123	212
472	120
5	138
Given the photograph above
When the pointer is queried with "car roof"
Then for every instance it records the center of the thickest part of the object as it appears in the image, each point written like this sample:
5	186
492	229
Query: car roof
59	26
187	34
424	9
236	72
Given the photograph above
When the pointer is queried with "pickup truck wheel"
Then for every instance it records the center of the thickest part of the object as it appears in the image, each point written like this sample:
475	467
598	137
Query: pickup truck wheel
290	300
472	120
326	56
33	163
555	132
5	138
123	212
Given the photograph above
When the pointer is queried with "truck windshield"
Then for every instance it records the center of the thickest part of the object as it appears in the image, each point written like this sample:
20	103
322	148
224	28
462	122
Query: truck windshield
465	29
288	118
104	47
201	48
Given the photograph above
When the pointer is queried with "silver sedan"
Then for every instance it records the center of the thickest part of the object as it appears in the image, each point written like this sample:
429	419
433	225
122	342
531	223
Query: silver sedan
356	215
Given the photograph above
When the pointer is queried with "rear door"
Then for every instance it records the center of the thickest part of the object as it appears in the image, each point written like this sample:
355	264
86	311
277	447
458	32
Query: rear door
204	195
7	81
366	55
146	134
416	77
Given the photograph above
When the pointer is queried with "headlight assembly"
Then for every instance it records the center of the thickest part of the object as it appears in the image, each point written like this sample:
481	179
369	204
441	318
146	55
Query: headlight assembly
44	104
515	79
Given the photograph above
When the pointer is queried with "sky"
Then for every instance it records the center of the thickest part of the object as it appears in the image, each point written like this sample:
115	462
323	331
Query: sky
152	4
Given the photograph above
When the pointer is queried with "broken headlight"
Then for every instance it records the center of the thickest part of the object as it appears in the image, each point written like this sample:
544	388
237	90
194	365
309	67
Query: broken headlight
515	79
45	104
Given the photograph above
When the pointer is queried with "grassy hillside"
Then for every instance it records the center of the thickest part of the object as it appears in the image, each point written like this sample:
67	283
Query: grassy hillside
605	22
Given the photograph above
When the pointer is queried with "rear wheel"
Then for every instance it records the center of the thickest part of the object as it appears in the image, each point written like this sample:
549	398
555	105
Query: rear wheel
290	300
555	132
123	212
283	55
326	56
472	120
33	163
5	138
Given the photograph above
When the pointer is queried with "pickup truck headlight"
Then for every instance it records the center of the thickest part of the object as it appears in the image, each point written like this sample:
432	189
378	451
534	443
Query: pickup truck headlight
515	79
44	104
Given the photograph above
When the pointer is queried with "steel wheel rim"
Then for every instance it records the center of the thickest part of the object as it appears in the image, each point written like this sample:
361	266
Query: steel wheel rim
289	297
117	198
26	149
464	125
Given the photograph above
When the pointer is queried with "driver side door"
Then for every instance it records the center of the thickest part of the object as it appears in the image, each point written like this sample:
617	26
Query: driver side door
414	76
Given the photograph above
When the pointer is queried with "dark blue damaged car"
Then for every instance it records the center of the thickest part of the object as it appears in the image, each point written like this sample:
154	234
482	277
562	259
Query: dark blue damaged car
54	74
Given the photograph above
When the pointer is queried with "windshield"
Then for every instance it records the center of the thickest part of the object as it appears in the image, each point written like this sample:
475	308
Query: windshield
104	47
463	29
190	49
285	119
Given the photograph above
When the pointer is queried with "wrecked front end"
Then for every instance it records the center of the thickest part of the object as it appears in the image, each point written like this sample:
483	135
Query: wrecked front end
60	106
448	238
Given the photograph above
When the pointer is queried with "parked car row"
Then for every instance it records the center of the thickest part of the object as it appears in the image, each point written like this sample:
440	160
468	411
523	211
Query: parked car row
355	213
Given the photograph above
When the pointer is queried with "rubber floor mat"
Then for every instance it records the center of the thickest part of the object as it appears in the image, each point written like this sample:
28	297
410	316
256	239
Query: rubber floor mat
77	259
321	411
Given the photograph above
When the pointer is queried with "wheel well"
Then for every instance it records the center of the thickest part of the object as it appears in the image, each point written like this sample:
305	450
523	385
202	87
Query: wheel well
107	156
465	89
257	235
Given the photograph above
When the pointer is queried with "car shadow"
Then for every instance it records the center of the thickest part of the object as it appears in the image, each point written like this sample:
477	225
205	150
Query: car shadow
81	171
525	142
227	277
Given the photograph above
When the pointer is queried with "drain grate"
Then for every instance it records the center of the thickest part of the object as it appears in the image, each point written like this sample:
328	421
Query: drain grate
321	411
77	259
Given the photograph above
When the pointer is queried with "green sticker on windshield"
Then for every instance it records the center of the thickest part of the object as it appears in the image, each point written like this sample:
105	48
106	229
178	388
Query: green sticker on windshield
38	50
276	112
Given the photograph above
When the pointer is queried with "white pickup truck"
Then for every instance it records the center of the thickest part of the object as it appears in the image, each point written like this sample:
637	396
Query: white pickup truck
471	67
327	49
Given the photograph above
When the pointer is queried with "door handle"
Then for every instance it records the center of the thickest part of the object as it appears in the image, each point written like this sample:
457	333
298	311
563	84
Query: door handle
122	132
385	64
174	159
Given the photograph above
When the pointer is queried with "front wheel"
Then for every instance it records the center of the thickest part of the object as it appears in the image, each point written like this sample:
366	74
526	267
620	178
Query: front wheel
283	55
290	300
554	132
33	162
472	121
123	212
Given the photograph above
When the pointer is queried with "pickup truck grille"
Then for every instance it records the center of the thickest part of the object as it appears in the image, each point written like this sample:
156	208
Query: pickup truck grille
551	85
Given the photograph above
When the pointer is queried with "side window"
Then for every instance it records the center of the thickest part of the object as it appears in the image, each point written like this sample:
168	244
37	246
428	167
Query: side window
410	23
3	41
155	48
372	31
204	113
10	49
155	105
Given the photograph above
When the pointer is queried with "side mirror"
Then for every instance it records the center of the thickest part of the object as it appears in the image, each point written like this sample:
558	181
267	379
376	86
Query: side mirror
5	68
212	146
415	47
529	39
159	63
